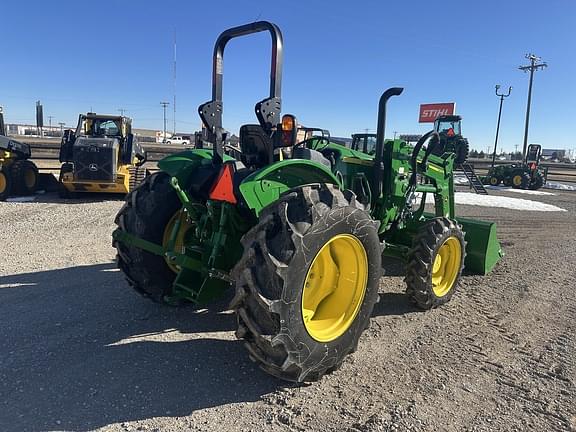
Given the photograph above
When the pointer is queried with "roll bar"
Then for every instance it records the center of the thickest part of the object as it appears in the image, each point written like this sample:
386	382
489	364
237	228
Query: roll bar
267	110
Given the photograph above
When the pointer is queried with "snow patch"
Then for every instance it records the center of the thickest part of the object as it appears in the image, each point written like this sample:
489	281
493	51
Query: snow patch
22	199
522	191
559	186
467	198
522	204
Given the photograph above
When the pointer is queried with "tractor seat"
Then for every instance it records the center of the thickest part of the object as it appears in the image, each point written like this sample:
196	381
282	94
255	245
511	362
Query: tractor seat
309	154
256	146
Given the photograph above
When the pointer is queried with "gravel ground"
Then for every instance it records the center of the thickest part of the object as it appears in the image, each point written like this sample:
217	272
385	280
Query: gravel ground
79	351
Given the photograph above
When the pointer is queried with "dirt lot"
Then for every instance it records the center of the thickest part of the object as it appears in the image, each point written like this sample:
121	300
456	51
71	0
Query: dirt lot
79	351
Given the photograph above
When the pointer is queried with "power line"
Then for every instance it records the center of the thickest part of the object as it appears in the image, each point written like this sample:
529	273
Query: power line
533	66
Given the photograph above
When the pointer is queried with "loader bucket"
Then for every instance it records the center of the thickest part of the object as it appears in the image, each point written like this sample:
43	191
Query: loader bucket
482	247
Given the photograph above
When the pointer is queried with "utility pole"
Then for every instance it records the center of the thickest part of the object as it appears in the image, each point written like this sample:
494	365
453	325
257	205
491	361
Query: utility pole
50	121
61	128
174	102
501	96
533	66
164	105
122	111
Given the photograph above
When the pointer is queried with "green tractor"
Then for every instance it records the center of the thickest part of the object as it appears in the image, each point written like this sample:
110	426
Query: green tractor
18	174
526	175
297	229
449	127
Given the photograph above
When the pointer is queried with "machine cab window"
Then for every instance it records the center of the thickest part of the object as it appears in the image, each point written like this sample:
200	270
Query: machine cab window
448	126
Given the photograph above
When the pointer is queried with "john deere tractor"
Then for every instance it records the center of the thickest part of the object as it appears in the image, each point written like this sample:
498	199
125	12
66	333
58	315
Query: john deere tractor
526	175
300	239
449	128
102	155
18	174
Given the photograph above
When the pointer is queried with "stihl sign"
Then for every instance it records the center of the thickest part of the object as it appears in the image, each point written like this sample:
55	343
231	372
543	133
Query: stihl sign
429	112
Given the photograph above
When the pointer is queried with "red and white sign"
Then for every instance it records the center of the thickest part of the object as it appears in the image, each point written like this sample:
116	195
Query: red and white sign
429	112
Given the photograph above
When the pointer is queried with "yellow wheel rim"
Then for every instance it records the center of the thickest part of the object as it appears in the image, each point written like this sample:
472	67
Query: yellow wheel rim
29	178
493	181
517	180
179	247
446	266
3	182
334	288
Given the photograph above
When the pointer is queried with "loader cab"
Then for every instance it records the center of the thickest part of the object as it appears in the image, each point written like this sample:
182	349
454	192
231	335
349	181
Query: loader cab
101	155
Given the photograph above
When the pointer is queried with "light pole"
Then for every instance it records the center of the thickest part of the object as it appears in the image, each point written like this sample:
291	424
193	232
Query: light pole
164	105
501	96
61	128
533	66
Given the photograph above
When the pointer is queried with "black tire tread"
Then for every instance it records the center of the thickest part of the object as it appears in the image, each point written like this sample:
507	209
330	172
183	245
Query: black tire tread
146	273
18	172
260	278
421	258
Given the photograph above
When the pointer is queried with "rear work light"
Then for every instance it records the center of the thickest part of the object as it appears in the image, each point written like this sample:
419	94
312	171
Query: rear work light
223	188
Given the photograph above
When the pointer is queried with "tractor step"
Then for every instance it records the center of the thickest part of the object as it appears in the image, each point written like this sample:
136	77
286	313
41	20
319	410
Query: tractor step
473	180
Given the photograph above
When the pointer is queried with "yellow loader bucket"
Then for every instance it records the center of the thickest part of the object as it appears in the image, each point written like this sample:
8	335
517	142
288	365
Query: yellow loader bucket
482	247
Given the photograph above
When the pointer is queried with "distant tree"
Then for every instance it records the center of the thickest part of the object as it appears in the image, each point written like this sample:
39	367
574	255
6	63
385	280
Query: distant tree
473	153
516	156
481	155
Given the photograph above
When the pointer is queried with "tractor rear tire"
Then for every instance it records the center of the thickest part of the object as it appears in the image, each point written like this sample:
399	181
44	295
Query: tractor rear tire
5	183
137	176
145	214
25	177
429	281
537	182
520	180
462	151
278	296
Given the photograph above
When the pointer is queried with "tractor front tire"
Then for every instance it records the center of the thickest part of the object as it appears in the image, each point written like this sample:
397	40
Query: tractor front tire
5	183
494	180
146	213
307	282
25	177
435	263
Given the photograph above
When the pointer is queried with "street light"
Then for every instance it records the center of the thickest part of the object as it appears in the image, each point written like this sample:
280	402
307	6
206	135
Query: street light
501	96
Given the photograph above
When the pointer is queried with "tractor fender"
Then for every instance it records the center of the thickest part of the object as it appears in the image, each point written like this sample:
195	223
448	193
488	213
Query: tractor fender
265	186
182	164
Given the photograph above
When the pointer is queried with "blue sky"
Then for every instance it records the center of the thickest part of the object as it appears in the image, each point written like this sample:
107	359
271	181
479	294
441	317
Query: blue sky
339	57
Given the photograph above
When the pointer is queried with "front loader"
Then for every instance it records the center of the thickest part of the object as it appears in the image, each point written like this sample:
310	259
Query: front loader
100	156
298	229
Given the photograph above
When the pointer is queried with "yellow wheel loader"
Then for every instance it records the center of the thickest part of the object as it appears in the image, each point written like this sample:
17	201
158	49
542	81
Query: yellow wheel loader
101	156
